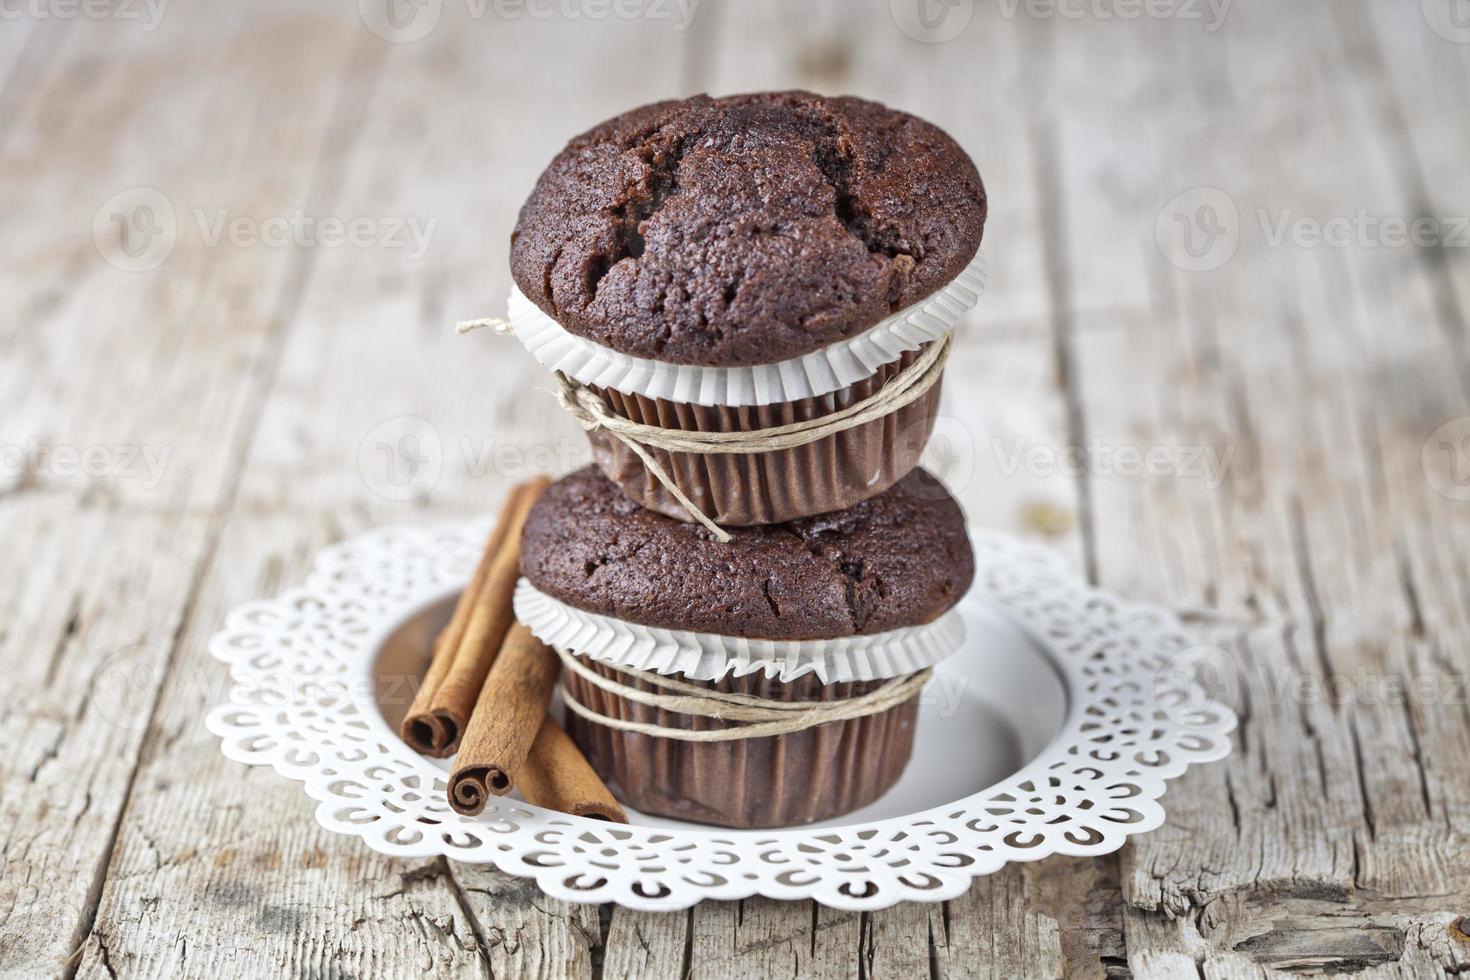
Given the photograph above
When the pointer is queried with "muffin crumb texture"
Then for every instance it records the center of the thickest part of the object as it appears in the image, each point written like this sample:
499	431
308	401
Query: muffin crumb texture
748	229
900	559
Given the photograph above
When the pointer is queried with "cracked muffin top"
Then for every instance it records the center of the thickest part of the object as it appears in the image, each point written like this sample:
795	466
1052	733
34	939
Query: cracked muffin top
748	229
899	559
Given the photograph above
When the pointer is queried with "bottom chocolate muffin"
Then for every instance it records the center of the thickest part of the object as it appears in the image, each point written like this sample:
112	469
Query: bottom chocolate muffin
844	613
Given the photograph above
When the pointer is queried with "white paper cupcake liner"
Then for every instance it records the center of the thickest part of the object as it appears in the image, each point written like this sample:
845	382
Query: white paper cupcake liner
819	373
710	656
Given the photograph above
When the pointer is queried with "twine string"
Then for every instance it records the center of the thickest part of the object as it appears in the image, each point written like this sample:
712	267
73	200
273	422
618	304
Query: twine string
760	717
668	482
591	411
500	325
906	387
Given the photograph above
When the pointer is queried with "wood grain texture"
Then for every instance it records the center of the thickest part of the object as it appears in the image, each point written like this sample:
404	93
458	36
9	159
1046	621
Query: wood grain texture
1289	392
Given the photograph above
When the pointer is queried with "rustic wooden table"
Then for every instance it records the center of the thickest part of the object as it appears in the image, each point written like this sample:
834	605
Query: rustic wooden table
1228	261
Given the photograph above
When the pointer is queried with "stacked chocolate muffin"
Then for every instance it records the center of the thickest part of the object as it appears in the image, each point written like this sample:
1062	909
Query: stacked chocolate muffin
748	302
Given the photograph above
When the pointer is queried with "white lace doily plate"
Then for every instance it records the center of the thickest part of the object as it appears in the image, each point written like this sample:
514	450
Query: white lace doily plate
1053	731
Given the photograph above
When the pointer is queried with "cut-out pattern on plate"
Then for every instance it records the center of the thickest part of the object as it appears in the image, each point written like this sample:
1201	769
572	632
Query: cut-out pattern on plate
302	701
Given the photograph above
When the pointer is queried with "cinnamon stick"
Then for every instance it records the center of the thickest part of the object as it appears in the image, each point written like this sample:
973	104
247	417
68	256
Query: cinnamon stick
505	722
465	649
557	776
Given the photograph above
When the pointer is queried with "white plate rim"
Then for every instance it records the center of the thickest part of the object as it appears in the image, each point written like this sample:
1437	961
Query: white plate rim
368	783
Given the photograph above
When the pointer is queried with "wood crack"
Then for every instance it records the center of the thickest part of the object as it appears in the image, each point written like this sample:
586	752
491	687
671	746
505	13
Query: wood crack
1068	378
1401	146
347	113
442	869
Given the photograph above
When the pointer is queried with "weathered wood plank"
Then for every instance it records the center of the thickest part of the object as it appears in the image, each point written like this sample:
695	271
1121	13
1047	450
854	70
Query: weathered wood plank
1314	549
524	932
24	46
1415	67
123	454
367	340
1324	844
646	945
767	938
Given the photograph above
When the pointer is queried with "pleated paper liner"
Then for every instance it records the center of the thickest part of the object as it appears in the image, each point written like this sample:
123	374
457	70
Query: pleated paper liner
702	656
775	781
821	372
739	490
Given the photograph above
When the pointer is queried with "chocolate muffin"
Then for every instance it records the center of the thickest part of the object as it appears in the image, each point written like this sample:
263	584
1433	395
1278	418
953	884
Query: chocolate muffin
899	559
743	264
605	580
748	229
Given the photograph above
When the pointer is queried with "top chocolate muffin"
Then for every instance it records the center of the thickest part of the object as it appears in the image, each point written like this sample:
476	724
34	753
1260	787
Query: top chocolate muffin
748	229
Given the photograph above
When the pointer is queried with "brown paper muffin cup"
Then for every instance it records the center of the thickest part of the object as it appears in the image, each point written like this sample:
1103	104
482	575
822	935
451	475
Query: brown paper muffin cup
739	490
777	781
